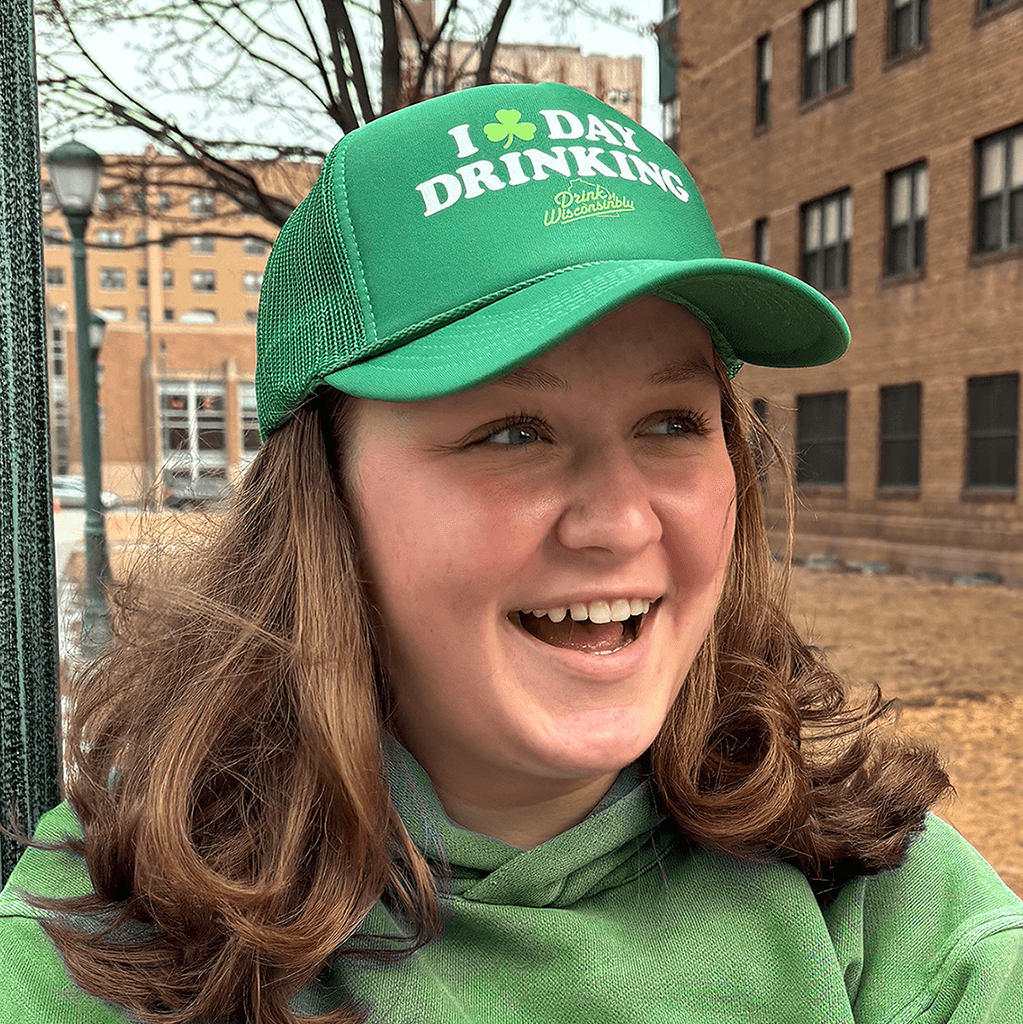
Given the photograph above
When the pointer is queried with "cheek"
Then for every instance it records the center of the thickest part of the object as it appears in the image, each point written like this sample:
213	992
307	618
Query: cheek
702	519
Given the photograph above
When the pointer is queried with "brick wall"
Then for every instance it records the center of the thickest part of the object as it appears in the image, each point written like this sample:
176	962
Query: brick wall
962	316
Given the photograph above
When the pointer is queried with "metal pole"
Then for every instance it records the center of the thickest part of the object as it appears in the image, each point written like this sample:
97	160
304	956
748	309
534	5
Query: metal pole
95	607
29	724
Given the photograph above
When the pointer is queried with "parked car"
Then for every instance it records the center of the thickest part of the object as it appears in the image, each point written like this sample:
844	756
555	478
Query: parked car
183	490
69	491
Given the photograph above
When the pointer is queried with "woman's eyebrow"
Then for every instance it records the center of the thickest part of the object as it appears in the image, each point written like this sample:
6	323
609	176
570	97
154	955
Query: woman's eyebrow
683	371
529	378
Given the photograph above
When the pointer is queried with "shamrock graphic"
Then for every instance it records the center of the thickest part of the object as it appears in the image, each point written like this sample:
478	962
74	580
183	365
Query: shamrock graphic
510	124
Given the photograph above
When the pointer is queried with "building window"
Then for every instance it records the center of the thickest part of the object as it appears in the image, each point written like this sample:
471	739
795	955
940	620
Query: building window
250	316
53	236
908	26
203	245
165	201
829	28
827	229
670	112
112	278
54	275
990	5
1000	190
204	280
141	238
254	246
820	432
168	316
761	240
166	243
48	198
142	275
900	436
200	204
764	61
143	314
253	282
193	439
199	316
106	200
906	238
168	278
110	238
250	420
113	314
993	432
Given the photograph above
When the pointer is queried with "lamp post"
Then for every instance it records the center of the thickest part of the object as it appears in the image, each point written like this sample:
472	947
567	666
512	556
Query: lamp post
74	175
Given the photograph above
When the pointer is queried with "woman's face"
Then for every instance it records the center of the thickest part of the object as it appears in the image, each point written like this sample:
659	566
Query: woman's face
502	527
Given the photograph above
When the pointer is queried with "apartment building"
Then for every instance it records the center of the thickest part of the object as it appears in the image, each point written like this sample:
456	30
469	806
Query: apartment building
875	149
176	278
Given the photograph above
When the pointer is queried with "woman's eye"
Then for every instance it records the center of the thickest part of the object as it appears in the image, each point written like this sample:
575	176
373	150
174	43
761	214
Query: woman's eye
515	435
678	423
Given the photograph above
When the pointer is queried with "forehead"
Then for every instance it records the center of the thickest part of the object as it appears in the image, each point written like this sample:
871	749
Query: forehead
646	343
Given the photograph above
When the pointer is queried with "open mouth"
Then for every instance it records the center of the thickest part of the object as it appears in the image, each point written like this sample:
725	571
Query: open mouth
598	628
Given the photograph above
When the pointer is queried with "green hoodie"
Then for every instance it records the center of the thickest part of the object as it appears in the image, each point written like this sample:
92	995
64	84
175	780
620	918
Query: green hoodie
621	920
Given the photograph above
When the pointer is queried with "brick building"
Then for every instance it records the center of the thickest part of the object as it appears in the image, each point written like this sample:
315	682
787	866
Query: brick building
876	150
177	280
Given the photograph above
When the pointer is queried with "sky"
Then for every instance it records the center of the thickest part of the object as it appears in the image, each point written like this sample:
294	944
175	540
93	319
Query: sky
529	21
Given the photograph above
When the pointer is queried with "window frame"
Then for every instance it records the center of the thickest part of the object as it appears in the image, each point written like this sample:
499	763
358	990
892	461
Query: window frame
252	282
204	282
55	276
895	437
919	21
1007	195
842	199
807	440
816	79
763	69
203	245
982	439
915	222
117	275
202	204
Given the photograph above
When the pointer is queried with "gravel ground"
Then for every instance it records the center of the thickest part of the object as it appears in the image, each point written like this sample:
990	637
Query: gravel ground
954	658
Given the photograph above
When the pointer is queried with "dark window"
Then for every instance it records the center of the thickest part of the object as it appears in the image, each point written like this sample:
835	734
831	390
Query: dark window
200	204
900	436
1000	190
54	275
203	244
821	433
990	5
764	62
165	201
254	246
829	28
168	315
168	278
250	316
204	280
143	277
827	229
994	432
761	241
908	26
907	219
112	278
143	314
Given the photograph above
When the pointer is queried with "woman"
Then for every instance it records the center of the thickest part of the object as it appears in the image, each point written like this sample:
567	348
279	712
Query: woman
481	705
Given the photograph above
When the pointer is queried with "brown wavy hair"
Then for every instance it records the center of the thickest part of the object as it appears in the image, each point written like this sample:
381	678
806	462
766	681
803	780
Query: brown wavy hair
225	759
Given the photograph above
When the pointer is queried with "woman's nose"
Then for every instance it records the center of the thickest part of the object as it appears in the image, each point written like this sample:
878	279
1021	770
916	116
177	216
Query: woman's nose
608	507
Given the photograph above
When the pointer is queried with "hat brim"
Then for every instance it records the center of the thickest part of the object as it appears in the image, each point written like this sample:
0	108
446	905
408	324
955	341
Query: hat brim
755	314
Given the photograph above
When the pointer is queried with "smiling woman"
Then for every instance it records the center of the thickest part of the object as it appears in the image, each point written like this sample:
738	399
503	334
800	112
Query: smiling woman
484	704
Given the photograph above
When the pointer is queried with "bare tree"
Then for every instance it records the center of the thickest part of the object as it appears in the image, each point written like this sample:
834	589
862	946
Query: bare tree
238	89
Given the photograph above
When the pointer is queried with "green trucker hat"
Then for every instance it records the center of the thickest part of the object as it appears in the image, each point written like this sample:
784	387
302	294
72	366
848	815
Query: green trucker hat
447	243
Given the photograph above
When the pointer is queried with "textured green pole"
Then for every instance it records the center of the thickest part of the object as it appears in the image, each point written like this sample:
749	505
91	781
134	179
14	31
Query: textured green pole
29	723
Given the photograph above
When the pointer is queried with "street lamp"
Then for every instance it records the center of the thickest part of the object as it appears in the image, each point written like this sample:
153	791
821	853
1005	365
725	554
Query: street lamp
74	176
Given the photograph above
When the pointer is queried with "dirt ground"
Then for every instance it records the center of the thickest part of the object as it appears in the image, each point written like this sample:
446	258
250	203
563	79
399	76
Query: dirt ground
952	655
954	658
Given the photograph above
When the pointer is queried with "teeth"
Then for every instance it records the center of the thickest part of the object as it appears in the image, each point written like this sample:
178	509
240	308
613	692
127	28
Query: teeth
596	611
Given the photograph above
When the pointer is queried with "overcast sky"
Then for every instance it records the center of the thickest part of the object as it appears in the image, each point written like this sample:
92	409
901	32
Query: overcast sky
529	21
